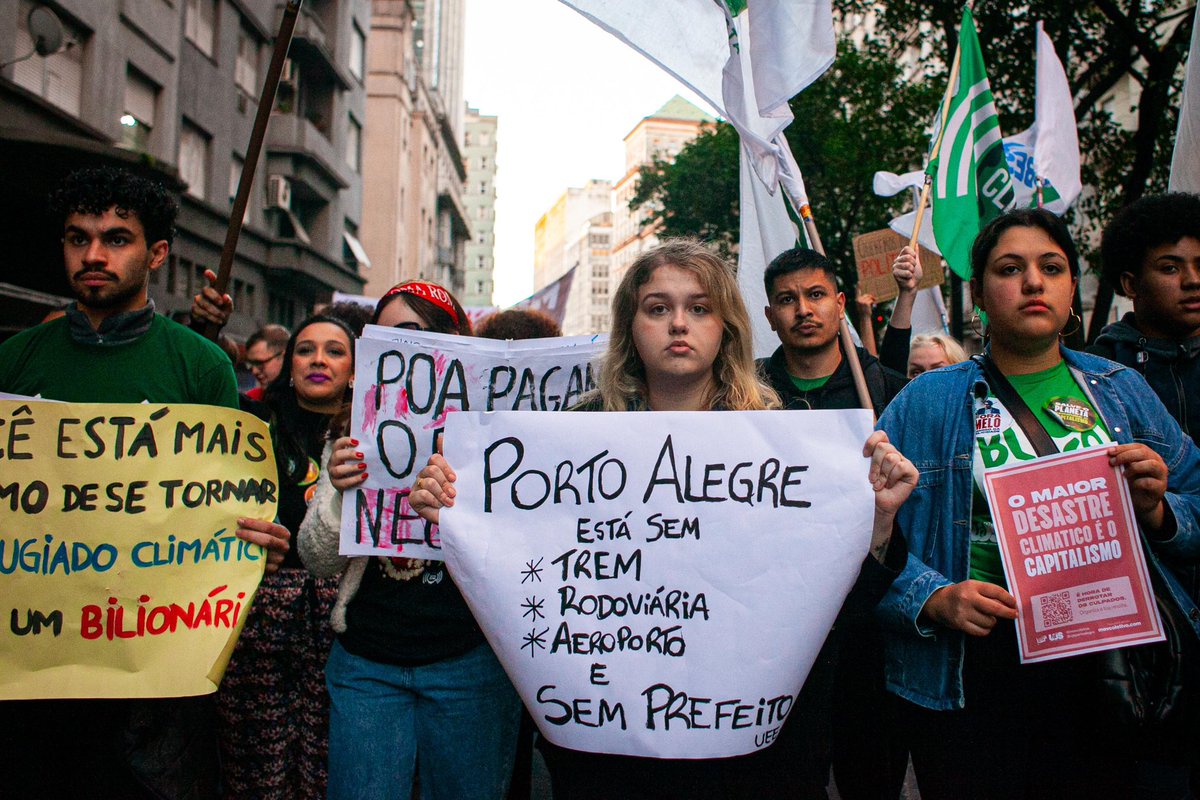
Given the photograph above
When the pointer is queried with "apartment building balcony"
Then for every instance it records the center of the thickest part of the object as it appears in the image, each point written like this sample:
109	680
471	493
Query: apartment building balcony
312	156
312	44
310	273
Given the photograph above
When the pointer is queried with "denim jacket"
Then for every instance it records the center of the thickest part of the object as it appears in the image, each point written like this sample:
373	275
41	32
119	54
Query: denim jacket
932	422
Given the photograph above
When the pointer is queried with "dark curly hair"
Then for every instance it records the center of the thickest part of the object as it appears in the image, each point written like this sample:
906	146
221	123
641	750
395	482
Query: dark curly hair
1143	225
518	323
94	190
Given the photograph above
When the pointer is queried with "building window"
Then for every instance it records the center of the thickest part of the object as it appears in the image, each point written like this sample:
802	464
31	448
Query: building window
200	24
193	159
56	78
358	52
354	255
483	187
141	102
245	72
354	144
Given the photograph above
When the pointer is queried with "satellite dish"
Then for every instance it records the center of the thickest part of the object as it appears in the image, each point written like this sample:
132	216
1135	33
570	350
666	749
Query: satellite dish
46	31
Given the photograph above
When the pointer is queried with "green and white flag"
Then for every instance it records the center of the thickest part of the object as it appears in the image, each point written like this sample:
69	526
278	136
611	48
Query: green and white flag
971	181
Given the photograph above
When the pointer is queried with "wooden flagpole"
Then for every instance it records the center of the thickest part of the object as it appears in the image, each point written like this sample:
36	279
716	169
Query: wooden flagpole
937	144
266	101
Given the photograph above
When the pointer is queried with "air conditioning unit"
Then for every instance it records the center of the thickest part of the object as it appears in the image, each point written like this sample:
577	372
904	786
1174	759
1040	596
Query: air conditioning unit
287	74
279	192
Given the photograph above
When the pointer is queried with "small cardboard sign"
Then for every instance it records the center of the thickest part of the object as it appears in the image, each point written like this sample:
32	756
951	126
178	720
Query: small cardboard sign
874	253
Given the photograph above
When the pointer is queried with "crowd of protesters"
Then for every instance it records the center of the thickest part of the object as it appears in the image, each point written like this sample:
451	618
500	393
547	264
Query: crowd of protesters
368	677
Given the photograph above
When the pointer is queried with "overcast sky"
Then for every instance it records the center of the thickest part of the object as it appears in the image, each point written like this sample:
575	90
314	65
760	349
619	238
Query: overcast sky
566	94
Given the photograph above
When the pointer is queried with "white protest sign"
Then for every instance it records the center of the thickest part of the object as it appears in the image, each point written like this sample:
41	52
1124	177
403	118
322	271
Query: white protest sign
658	584
406	383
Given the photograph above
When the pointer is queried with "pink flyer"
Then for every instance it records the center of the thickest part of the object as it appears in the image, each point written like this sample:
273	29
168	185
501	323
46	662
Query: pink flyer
1072	555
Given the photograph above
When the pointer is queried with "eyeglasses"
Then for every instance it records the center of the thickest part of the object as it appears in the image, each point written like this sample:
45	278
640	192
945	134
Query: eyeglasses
252	364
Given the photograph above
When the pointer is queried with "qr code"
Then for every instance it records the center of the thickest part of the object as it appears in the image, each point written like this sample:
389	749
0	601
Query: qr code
1056	609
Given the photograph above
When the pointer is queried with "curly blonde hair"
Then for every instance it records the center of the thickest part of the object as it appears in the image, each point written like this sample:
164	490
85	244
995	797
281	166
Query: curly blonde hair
736	386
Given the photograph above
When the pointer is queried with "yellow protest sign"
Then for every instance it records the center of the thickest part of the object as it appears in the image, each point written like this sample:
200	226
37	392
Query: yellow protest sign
119	569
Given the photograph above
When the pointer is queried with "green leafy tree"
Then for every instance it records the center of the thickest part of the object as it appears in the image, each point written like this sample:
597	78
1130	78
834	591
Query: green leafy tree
864	115
696	194
1101	44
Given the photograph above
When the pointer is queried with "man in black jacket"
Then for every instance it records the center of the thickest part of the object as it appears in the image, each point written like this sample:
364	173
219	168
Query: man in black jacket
809	370
1151	254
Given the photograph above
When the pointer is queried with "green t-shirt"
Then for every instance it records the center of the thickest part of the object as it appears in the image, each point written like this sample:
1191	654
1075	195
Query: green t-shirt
1062	408
167	364
808	384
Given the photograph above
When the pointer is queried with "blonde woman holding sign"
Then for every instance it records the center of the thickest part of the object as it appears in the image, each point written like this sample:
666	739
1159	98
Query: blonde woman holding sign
980	724
680	342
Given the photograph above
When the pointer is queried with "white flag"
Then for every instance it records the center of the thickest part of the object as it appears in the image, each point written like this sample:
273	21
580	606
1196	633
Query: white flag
746	58
1185	163
1055	139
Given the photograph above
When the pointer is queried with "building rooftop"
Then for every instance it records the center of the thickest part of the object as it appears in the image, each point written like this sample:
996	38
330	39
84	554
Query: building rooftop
678	108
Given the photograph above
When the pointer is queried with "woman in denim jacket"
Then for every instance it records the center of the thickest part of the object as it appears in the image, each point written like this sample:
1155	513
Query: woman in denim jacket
980	724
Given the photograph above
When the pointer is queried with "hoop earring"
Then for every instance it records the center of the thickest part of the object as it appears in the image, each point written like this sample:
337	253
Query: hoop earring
977	325
1078	324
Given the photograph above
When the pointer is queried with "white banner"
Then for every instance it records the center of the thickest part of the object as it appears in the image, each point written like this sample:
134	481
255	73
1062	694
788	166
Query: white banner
407	382
658	584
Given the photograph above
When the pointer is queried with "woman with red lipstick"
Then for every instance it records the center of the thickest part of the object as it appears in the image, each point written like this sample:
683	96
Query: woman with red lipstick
412	683
273	703
680	341
980	724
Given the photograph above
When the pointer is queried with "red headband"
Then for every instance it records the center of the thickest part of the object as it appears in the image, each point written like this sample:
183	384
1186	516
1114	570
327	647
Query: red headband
427	291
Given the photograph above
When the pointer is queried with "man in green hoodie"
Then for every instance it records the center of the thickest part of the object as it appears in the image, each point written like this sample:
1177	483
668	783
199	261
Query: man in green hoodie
1151	254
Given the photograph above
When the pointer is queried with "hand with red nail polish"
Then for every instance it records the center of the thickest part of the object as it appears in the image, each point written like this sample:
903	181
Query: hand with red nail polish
346	469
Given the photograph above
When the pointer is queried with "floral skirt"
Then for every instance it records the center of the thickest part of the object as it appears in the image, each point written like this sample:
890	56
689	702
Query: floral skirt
273	705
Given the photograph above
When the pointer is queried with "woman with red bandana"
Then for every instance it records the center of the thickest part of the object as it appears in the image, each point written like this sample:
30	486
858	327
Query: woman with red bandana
411	680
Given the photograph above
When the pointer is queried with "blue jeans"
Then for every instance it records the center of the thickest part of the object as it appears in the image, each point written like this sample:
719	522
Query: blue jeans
456	718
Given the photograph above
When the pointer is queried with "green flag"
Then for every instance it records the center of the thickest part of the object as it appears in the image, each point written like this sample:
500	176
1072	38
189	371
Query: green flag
971	181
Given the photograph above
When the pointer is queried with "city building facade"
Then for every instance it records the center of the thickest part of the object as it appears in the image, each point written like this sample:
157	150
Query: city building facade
480	201
660	135
171	90
415	222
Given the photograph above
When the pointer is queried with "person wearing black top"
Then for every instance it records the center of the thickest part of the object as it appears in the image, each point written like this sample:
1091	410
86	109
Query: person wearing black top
413	684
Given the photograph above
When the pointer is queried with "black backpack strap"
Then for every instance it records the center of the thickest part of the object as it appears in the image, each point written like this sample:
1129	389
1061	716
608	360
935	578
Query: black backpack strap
1042	444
